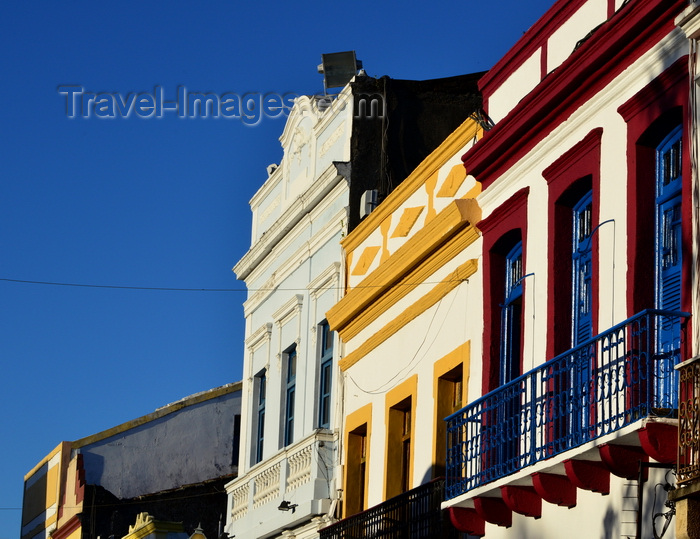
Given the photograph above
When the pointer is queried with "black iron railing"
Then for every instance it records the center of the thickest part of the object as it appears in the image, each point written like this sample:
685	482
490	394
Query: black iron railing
608	382
413	514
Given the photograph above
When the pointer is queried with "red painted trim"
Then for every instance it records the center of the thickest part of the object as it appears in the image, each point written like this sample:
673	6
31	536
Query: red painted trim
525	47
522	500
72	524
580	161
611	8
556	489
660	441
588	475
666	93
467	521
622	460
509	216
543	60
494	510
79	479
605	55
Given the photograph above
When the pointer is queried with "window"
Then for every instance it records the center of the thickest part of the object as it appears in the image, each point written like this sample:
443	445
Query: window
581	264
358	427
399	448
291	356
668	261
449	401
261	382
654	117
668	222
511	332
326	381
573	182
235	451
356	479
502	230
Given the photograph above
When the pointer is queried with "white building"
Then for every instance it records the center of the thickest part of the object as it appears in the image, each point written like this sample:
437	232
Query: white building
548	302
295	272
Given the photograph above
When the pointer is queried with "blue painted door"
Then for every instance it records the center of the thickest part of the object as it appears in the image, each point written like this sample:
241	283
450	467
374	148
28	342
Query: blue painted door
668	266
509	421
582	265
583	360
511	322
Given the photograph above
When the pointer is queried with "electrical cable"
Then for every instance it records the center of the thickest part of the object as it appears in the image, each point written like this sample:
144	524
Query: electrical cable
176	289
382	388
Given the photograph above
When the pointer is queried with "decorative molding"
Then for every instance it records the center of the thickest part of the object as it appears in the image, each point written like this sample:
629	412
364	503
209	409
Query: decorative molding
325	280
452	146
501	213
612	49
452	281
573	155
259	337
292	215
655	90
455	179
409	282
455	217
409	216
288	310
335	225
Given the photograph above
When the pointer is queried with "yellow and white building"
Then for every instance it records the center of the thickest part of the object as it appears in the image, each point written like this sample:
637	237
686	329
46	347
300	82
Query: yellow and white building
404	322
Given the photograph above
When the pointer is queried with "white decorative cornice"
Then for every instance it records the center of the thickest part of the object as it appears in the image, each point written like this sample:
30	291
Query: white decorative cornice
334	225
328	278
304	204
689	20
291	308
258	337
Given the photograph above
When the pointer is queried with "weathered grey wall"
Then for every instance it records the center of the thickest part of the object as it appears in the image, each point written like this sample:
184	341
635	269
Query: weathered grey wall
193	444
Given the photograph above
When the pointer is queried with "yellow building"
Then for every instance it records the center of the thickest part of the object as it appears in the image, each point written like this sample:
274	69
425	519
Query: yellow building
97	486
407	357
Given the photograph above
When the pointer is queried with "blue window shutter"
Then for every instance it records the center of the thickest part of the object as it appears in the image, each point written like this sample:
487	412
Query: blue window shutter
262	390
511	316
326	385
582	265
291	395
668	264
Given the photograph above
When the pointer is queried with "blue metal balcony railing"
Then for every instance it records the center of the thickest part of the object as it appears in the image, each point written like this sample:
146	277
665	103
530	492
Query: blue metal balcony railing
608	382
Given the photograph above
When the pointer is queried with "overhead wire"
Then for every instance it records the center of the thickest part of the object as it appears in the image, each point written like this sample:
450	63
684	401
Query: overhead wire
178	289
382	388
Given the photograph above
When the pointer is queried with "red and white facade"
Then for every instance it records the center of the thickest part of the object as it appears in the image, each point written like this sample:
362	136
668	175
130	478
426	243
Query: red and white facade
586	278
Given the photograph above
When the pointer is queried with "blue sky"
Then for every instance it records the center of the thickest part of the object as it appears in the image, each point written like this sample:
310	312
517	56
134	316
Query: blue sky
161	202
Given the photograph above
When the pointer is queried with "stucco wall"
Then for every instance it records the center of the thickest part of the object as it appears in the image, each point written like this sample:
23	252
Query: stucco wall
193	444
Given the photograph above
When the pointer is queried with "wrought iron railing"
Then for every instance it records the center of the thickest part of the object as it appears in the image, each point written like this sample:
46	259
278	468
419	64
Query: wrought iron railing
413	514
689	422
612	380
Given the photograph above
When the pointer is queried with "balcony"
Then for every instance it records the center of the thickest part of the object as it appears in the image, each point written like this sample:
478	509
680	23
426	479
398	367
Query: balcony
611	402
688	469
413	514
301	474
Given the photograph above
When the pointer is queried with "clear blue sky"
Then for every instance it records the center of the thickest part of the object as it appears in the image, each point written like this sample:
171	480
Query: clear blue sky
161	202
